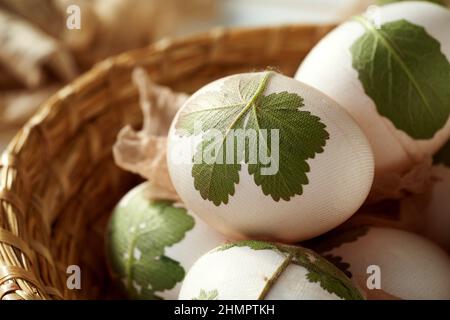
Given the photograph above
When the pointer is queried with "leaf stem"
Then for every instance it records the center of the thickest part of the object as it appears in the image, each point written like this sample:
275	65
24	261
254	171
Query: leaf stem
275	276
261	87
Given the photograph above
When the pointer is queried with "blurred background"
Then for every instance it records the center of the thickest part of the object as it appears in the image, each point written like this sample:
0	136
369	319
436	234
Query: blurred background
39	53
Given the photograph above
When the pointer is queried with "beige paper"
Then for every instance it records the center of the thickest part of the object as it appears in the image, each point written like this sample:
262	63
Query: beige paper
144	152
416	180
433	208
395	214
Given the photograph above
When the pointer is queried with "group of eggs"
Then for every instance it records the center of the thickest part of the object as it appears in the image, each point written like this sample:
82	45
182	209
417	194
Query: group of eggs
367	110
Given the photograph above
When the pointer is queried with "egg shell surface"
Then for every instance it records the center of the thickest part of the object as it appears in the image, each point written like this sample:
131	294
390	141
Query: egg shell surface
338	178
410	266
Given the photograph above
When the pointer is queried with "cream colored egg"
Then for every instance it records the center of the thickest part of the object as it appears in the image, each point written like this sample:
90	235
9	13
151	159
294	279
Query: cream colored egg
390	70
152	244
254	270
401	264
318	171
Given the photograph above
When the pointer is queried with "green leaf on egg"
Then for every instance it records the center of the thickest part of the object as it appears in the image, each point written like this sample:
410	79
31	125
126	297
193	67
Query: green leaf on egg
443	155
403	70
242	104
252	244
327	275
339	263
384	2
139	233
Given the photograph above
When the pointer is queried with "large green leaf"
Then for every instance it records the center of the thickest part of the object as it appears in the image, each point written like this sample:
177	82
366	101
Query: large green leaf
241	104
138	235
403	70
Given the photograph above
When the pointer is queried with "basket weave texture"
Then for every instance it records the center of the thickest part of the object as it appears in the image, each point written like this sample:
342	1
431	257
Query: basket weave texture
58	181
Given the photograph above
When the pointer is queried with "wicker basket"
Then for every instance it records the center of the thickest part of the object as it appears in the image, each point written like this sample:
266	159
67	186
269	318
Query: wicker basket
58	182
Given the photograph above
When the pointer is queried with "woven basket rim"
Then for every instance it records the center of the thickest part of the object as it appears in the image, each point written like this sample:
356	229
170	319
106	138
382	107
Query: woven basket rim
164	44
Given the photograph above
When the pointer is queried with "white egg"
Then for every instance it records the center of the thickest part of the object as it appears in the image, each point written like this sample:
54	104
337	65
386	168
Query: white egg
254	270
401	144
319	177
402	264
151	245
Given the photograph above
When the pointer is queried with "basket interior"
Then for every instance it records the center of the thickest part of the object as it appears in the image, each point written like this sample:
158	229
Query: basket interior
58	181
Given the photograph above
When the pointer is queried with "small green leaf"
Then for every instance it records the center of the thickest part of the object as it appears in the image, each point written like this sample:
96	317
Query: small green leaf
403	70
138	235
384	2
241	104
210	295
